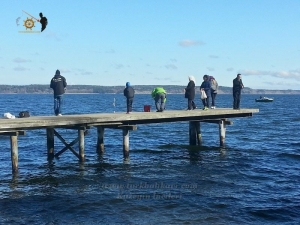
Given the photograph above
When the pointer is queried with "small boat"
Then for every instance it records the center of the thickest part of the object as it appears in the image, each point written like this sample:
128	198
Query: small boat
264	99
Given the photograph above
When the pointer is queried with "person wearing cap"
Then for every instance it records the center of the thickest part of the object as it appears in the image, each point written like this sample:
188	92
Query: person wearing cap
129	94
236	91
58	84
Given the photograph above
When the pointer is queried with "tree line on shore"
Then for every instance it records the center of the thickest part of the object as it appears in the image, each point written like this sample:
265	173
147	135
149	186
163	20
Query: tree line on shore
139	89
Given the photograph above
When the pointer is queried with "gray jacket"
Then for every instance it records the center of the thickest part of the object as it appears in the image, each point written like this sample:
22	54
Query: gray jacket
214	87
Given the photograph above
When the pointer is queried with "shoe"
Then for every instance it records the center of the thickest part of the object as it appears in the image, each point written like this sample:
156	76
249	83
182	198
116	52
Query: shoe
161	110
205	108
128	113
188	110
213	107
157	110
59	114
194	108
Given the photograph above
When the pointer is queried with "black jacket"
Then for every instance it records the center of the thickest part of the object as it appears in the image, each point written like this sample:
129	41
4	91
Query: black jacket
237	85
129	92
58	84
190	90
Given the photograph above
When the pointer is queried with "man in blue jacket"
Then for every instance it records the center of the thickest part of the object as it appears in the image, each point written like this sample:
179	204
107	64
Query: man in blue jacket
58	84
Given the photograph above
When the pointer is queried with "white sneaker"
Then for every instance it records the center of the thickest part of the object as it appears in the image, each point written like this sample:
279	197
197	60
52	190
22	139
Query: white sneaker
59	115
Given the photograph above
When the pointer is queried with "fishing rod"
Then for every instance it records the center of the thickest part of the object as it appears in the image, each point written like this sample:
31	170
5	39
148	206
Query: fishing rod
31	16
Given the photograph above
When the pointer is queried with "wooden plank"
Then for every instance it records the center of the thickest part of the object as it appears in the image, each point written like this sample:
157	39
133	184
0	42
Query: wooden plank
66	144
120	118
67	147
13	133
192	132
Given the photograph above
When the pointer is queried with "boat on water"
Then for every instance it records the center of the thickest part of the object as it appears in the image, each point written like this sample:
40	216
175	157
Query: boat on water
264	99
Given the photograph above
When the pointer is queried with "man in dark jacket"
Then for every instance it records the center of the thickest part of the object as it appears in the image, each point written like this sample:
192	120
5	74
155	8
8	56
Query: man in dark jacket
58	84
129	94
206	87
236	91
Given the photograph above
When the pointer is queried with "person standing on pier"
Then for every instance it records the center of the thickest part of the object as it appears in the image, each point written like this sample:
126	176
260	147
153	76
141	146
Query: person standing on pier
213	90
58	84
129	94
189	93
205	86
236	91
159	95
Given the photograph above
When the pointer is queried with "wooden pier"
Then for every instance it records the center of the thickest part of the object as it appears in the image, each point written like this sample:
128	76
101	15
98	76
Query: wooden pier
126	122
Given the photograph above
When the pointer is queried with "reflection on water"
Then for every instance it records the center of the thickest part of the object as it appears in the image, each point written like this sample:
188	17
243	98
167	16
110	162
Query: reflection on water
252	180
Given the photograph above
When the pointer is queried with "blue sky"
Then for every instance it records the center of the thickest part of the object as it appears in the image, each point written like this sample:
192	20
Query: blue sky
162	42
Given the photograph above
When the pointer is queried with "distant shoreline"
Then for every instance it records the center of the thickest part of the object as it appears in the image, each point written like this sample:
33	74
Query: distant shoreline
139	89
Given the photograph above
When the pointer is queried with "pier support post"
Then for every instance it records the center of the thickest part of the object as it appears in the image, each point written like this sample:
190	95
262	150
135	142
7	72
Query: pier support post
81	144
198	133
14	152
222	132
125	142
192	132
100	141
50	143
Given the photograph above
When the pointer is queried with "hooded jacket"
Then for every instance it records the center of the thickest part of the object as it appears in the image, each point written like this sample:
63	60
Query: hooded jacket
58	84
158	90
128	91
190	89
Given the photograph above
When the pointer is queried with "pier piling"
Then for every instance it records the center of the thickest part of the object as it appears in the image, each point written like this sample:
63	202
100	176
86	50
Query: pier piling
125	142
14	152
50	143
100	141
222	132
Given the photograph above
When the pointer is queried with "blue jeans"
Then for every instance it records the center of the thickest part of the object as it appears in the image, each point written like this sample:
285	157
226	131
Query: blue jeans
57	104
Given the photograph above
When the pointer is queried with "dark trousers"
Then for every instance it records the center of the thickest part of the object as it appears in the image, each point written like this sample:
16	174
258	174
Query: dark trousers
57	104
191	104
213	97
160	101
206	102
236	99
129	104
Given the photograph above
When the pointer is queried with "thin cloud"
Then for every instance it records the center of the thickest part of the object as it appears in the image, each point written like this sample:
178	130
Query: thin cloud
189	43
52	35
291	74
20	68
210	69
86	73
21	60
171	66
229	69
118	66
173	60
65	71
213	56
111	51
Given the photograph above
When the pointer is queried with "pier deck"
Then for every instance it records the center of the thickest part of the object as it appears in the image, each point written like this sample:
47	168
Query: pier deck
126	122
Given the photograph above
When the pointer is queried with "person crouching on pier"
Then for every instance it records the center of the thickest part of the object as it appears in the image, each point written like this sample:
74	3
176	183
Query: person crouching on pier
205	86
159	95
129	94
58	84
190	93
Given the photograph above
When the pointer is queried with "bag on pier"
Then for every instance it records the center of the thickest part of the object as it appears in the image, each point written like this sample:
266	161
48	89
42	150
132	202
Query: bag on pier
203	95
24	114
